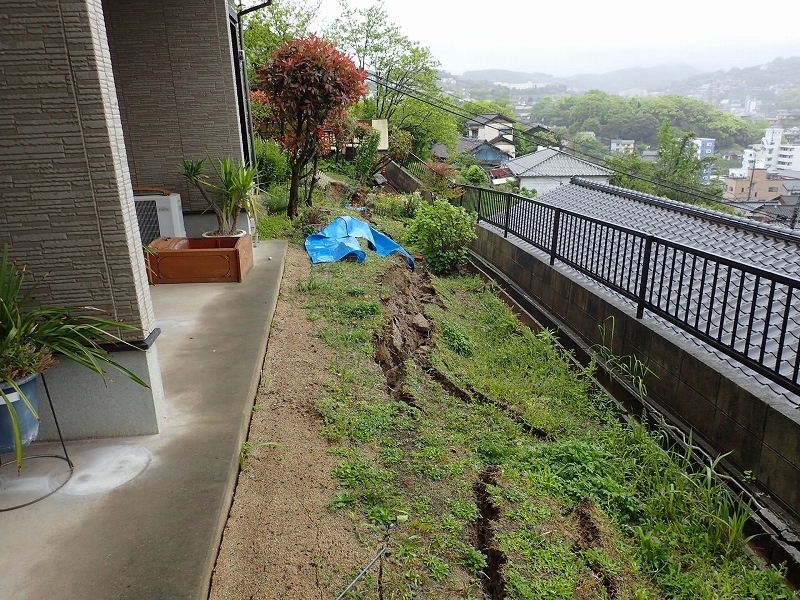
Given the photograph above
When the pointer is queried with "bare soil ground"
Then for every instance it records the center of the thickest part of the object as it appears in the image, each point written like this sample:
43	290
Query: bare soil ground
281	541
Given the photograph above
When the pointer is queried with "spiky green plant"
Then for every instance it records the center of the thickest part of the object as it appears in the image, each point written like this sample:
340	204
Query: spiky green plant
236	190
30	336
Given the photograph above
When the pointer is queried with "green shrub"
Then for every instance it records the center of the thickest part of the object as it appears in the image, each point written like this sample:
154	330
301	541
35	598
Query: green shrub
396	205
277	198
366	154
443	233
273	167
474	175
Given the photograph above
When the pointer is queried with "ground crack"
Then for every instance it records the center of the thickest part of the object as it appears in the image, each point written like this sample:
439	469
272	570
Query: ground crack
494	586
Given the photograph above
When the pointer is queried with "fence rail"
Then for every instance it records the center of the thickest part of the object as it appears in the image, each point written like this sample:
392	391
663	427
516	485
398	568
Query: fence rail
748	313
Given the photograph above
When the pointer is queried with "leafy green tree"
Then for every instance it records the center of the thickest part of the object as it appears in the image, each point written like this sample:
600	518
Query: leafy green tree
676	174
611	116
379	47
366	154
427	126
588	145
789	100
631	171
271	26
308	83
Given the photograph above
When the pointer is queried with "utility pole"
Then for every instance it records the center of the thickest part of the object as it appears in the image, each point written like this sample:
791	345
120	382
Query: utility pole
752	175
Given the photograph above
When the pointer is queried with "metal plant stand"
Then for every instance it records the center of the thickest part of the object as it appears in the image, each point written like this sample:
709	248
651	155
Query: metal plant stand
65	456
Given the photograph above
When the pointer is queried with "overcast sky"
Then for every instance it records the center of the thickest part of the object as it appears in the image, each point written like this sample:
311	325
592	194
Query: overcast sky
592	36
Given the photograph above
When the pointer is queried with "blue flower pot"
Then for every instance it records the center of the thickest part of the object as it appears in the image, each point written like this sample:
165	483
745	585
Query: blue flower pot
28	423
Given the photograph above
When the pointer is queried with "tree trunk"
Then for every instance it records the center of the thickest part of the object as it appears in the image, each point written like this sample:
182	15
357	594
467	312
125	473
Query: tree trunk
313	180
294	192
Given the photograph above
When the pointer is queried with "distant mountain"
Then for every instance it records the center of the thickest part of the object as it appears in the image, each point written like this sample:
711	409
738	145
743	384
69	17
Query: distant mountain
614	82
638	78
761	81
503	76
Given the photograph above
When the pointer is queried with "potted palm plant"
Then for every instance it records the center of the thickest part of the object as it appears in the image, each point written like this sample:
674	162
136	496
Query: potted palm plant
222	255
236	191
31	338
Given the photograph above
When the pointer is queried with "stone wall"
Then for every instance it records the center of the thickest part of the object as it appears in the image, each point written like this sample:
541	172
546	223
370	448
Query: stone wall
722	405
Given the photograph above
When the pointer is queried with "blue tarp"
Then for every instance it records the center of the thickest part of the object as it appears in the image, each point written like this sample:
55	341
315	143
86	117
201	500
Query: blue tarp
340	239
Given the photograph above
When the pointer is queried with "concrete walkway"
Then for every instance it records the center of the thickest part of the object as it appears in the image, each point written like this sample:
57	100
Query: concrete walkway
142	517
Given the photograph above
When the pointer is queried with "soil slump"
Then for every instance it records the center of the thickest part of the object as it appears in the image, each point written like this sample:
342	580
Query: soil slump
407	332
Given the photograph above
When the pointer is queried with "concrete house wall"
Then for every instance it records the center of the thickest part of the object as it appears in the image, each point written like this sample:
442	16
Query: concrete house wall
97	97
174	75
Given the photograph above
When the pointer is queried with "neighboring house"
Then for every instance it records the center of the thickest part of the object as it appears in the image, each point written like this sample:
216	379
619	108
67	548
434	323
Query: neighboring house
490	126
99	98
490	153
501	175
548	169
622	146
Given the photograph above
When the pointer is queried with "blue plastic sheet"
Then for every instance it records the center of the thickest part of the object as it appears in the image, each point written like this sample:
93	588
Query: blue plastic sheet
340	239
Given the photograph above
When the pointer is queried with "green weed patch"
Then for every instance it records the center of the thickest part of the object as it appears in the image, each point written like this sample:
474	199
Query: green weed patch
523	483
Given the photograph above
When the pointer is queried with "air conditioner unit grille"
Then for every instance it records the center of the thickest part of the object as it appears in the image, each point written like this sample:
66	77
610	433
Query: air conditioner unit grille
147	215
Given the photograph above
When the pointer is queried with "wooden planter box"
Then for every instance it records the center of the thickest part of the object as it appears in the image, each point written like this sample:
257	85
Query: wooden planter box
199	260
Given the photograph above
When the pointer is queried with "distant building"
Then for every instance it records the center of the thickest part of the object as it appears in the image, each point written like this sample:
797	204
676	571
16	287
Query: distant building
490	153
788	159
650	155
764	155
705	149
759	185
622	146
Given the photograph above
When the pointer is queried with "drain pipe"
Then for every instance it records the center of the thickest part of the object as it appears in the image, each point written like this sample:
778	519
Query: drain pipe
251	140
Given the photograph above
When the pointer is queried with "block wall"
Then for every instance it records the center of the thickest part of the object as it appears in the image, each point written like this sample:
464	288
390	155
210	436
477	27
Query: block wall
759	428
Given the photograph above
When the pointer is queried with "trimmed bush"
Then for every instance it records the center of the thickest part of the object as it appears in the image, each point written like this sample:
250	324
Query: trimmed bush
443	233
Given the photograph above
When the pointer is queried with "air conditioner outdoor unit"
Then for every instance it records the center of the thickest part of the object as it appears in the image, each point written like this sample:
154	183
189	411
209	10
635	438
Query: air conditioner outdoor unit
159	216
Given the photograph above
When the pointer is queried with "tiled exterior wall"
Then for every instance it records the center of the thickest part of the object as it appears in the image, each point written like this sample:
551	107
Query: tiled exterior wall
173	67
761	432
65	196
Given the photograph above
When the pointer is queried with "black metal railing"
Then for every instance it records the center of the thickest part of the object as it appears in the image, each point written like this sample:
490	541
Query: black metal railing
748	313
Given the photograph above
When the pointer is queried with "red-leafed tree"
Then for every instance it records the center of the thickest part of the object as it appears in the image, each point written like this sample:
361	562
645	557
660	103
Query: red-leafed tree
308	82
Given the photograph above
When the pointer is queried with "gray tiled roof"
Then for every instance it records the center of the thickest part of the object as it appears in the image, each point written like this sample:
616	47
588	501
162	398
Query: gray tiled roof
769	247
553	163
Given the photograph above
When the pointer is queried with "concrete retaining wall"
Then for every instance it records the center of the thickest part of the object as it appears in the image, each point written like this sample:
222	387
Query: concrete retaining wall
726	408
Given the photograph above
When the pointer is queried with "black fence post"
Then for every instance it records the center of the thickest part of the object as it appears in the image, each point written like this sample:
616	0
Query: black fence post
554	239
480	194
508	214
644	273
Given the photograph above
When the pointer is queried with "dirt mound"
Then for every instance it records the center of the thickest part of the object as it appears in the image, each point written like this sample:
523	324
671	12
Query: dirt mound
407	331
337	190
